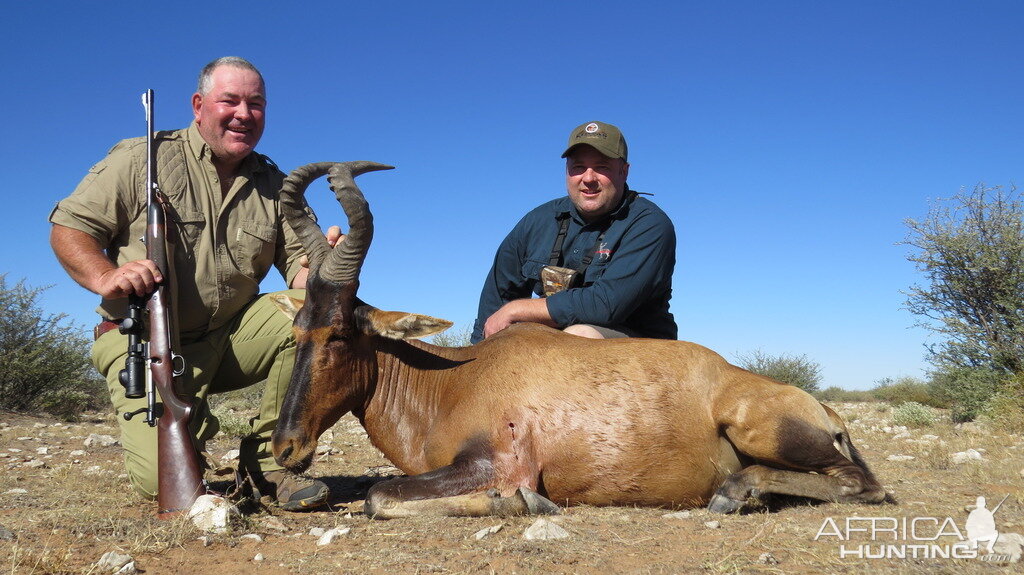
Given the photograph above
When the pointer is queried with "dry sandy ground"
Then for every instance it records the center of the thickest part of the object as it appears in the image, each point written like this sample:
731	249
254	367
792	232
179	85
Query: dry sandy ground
66	504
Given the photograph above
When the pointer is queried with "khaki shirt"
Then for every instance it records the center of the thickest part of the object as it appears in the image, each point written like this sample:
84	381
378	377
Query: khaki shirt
225	246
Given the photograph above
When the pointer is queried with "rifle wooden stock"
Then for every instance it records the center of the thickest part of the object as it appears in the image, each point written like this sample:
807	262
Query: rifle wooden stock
179	471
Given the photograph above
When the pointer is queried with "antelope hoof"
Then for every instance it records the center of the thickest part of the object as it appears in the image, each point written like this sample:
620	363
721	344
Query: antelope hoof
537	504
722	504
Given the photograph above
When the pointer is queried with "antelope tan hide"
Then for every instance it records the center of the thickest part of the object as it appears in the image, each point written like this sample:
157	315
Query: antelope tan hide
531	416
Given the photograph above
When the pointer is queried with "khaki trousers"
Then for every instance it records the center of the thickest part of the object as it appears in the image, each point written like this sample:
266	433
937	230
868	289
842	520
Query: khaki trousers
256	345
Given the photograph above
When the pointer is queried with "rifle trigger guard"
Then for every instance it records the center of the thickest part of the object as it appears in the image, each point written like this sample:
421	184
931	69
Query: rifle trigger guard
177	364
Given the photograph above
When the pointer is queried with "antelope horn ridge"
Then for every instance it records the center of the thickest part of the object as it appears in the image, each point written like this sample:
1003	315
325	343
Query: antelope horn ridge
346	259
342	264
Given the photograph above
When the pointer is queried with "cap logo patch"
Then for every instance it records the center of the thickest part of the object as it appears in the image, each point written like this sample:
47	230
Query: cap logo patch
592	127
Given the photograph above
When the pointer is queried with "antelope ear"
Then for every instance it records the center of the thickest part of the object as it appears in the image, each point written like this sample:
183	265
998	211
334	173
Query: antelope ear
399	324
288	305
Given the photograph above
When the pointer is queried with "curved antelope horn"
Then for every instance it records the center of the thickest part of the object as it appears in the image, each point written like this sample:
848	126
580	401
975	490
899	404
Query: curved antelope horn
346	259
293	205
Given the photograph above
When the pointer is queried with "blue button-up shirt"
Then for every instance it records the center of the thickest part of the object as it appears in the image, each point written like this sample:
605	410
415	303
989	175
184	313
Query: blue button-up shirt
628	283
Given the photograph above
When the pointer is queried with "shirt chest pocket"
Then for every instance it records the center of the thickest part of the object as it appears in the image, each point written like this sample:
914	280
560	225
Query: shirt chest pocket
254	244
190	226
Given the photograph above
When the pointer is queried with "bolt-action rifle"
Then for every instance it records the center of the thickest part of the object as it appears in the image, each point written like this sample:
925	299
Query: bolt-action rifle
152	366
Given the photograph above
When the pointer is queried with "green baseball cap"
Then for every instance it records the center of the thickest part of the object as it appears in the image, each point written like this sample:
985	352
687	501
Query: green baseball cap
605	138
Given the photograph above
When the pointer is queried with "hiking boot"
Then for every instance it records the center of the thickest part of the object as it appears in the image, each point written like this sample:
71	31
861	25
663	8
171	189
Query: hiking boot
293	492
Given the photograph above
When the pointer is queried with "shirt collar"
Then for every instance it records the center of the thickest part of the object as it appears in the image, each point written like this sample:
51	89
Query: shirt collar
565	205
201	151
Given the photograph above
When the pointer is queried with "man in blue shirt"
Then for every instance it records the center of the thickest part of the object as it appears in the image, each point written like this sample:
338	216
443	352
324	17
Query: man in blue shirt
620	247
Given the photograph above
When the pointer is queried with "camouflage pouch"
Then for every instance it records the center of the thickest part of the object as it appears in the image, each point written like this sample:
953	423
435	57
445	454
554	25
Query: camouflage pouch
555	279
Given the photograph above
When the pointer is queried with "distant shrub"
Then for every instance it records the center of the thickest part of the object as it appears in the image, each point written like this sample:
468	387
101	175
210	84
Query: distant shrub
907	389
966	390
794	370
453	337
835	394
1005	409
913	414
44	359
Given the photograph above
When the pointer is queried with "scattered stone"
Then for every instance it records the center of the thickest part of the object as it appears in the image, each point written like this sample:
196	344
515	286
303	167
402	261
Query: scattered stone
16	491
252	537
929	437
204	540
213	514
1010	544
96	439
965	456
713	524
77	453
34	463
317	531
38	425
331	534
6	534
767	559
273	524
544	530
112	562
13	450
258	557
487	531
26	438
678	515
900	458
381	471
128	569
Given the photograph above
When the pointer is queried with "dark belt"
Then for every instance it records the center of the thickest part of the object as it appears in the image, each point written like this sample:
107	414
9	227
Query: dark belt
105	326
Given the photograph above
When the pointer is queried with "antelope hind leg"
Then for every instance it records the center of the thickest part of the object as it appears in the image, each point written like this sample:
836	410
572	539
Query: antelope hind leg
756	480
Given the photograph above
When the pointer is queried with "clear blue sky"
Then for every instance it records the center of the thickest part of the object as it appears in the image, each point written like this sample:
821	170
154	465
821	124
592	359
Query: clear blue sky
787	140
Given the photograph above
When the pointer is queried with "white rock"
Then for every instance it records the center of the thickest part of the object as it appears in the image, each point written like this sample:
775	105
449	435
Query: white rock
317	531
13	450
38	425
112	561
212	514
713	524
26	438
96	439
767	559
331	534
544	530
34	463
252	537
16	491
929	437
204	540
900	458
965	456
272	523
77	453
128	569
487	531
258	557
678	515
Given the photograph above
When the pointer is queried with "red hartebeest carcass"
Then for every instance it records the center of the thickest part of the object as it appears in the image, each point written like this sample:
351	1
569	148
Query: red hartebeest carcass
532	415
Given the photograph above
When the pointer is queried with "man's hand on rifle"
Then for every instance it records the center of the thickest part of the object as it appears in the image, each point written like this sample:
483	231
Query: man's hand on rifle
139	277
